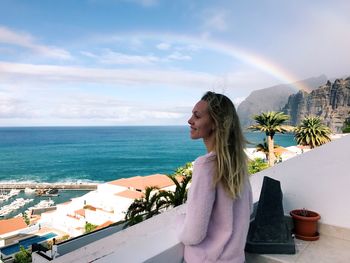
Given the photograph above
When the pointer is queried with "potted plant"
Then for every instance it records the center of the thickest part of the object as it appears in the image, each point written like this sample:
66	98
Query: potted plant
305	224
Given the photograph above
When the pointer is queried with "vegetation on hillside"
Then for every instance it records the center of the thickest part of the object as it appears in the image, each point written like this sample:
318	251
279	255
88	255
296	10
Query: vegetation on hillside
346	127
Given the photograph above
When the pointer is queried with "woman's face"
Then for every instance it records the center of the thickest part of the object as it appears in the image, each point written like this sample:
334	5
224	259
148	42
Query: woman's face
202	125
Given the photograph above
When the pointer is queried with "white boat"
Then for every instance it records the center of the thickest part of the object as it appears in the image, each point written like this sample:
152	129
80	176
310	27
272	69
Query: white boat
28	190
45	204
15	205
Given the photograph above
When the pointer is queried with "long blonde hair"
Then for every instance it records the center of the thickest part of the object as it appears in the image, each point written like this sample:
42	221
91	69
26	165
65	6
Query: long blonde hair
231	165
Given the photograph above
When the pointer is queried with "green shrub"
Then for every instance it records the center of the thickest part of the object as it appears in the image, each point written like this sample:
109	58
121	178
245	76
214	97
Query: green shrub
257	165
23	256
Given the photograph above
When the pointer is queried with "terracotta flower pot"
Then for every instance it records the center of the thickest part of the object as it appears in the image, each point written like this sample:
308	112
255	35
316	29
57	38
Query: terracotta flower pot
305	224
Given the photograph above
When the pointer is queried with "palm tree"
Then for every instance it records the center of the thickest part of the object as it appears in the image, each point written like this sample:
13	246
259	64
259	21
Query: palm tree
145	207
264	148
270	123
179	196
155	200
312	132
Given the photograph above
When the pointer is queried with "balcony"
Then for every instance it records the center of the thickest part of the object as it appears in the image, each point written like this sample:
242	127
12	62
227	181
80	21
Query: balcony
318	180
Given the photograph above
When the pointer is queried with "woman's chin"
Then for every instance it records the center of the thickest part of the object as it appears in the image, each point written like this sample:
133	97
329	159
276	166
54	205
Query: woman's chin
194	137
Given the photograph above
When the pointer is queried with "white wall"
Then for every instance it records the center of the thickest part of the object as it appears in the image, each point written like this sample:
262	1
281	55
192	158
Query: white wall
317	180
110	188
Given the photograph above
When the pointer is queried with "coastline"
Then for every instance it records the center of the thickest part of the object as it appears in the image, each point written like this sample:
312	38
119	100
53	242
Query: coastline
59	186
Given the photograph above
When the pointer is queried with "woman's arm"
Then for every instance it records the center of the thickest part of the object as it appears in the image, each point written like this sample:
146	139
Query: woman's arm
199	203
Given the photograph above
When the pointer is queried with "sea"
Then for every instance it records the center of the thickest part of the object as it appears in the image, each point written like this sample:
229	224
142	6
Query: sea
99	154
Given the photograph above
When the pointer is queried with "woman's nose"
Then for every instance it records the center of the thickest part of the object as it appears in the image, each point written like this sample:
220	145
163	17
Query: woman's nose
190	121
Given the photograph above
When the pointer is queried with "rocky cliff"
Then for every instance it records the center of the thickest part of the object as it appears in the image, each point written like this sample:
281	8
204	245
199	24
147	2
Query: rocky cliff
272	99
330	101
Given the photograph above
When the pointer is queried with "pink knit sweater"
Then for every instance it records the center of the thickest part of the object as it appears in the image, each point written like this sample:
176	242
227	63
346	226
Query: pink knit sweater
215	226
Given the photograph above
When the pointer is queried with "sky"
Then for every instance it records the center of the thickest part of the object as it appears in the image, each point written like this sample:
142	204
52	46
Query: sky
147	62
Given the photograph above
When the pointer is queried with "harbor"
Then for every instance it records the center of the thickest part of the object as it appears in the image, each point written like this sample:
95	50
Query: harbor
14	202
59	186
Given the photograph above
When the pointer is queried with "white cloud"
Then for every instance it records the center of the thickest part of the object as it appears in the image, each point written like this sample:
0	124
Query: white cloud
88	54
317	45
179	56
11	107
111	57
163	46
48	73
25	40
215	20
189	47
84	108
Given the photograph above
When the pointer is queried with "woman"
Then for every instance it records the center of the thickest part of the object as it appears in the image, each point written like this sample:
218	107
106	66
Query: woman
220	200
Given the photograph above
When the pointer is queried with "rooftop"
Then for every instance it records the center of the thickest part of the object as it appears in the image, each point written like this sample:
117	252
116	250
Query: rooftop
141	182
130	194
12	224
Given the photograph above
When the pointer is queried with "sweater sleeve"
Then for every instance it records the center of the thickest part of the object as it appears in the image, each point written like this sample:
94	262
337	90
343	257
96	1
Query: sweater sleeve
200	202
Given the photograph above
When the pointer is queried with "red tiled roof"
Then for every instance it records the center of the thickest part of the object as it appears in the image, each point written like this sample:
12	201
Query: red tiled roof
303	146
280	150
105	224
90	207
130	194
141	182
80	212
12	224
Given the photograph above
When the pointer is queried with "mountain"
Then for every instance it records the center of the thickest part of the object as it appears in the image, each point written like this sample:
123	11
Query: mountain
272	98
330	101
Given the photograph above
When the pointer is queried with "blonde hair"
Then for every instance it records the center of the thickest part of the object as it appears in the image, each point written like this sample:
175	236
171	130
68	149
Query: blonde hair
231	165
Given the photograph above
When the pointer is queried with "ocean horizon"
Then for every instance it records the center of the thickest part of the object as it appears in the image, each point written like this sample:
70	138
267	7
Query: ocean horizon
97	154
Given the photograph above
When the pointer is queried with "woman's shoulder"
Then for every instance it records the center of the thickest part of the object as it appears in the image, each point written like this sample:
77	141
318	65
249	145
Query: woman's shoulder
207	158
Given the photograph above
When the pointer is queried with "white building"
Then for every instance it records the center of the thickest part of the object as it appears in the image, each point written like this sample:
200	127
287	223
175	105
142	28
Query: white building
108	203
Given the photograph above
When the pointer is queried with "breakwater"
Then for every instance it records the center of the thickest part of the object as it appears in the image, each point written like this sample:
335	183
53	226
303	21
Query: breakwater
59	186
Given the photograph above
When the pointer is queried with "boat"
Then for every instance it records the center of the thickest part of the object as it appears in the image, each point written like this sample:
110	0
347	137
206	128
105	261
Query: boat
14	192
15	205
46	192
28	190
45	204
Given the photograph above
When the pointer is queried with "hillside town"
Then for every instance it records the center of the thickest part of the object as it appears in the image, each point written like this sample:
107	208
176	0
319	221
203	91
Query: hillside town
101	207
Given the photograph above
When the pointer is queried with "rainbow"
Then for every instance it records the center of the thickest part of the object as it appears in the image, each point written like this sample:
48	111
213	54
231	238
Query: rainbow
248	57
260	63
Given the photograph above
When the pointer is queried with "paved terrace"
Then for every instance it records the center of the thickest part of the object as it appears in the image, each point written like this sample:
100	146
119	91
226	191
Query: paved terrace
318	180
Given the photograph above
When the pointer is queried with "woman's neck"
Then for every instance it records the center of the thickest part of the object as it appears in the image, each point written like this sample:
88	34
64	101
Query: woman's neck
209	144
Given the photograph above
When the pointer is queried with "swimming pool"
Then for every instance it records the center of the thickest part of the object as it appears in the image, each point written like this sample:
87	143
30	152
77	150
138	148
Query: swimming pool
7	251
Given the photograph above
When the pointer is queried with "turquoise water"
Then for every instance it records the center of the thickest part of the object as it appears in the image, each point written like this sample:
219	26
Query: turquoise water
99	154
26	243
